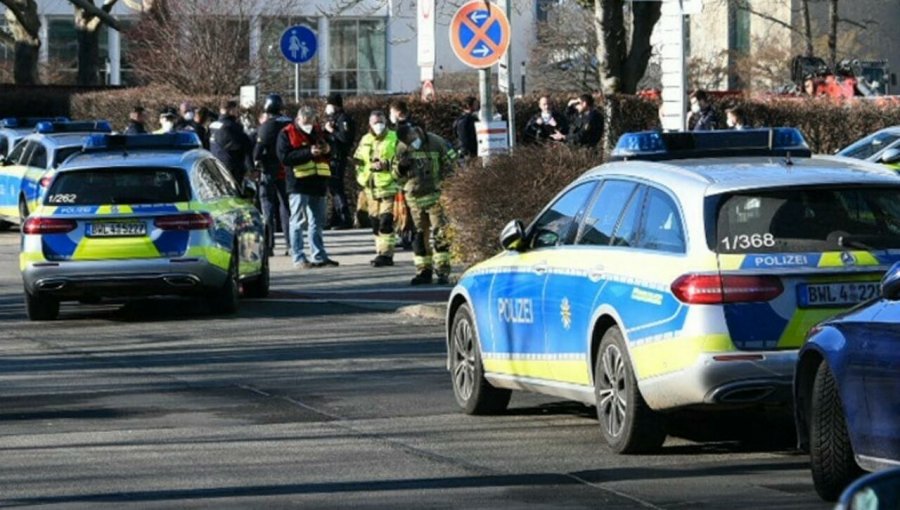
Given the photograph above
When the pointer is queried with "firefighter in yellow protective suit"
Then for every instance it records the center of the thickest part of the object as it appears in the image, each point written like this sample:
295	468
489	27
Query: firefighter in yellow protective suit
423	161
375	157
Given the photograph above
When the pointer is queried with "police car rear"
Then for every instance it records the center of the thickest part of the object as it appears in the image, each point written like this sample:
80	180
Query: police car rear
142	215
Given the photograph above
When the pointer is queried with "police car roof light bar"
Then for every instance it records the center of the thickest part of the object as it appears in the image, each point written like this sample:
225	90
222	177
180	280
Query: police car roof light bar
99	126
172	141
28	122
660	146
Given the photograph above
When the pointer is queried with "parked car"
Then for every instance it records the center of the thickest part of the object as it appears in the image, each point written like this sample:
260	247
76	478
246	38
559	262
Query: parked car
847	391
684	274
880	147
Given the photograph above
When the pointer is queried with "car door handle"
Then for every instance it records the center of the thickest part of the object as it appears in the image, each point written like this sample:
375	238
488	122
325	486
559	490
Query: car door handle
540	268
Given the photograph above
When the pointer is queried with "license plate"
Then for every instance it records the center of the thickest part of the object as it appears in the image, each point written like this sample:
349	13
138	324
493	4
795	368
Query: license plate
836	294
117	229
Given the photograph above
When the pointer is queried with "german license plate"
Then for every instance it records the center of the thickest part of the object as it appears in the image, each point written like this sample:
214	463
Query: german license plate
836	294
117	229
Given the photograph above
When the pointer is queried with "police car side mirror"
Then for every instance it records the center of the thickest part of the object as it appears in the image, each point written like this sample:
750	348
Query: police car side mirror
874	491
890	284
890	156
512	235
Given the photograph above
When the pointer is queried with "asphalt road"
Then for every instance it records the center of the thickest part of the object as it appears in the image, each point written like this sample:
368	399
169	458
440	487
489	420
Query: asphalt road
321	397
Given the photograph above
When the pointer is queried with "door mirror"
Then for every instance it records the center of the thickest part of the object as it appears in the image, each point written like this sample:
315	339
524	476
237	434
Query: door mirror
512	235
876	491
890	156
890	283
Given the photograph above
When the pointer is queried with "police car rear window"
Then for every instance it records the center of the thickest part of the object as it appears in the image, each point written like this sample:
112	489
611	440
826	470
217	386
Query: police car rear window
806	220
119	186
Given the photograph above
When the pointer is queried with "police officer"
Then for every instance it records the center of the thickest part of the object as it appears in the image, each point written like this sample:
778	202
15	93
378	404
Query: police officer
229	142
341	133
586	128
464	129
423	161
167	119
136	122
273	195
374	162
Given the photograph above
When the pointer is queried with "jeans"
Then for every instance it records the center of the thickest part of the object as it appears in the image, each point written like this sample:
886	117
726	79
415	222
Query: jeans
307	212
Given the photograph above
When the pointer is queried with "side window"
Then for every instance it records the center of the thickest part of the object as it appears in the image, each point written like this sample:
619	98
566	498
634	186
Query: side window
204	182
226	181
4	145
627	231
19	152
554	227
661	229
603	217
38	158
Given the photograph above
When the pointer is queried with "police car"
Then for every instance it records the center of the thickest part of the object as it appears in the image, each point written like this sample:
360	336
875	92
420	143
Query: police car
13	129
142	215
880	147
25	173
685	273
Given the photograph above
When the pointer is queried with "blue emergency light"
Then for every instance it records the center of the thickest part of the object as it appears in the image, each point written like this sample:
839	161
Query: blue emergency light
658	145
173	141
98	126
28	122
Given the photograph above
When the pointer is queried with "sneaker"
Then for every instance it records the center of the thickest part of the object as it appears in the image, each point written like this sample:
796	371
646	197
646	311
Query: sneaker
443	279
381	261
303	264
422	278
325	263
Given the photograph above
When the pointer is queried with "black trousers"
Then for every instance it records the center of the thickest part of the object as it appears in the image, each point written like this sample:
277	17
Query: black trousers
340	210
273	199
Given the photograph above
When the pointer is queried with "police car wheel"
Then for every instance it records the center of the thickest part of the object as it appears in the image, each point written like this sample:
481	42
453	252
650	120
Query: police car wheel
472	391
41	308
23	211
259	287
831	454
5	225
225	300
628	425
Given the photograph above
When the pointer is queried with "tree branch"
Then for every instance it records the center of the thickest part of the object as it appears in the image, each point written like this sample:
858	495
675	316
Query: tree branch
103	13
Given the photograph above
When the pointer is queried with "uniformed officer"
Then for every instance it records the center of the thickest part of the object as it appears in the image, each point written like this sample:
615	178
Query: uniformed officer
229	142
423	161
167	119
374	161
341	132
136	121
586	129
273	197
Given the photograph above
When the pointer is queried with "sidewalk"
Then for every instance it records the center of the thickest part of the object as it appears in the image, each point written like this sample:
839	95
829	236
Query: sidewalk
356	282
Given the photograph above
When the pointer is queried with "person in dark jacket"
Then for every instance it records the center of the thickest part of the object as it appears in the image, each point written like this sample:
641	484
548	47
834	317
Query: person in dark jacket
230	143
303	149
464	129
586	129
341	133
203	118
544	123
273	195
399	116
136	122
703	116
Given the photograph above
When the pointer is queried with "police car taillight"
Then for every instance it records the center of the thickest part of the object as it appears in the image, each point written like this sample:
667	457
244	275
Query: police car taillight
701	289
189	221
48	226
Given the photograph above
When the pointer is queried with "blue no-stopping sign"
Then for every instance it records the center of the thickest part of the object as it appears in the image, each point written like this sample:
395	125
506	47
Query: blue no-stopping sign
298	44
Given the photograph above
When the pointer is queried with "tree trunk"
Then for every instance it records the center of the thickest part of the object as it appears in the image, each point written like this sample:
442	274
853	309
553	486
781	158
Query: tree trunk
807	29
646	14
609	22
88	36
24	24
832	32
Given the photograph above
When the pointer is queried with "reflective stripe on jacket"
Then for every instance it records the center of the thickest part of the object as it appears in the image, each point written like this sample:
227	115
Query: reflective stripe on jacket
380	183
318	165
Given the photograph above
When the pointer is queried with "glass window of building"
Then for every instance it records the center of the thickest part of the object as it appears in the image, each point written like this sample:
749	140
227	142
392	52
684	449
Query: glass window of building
358	55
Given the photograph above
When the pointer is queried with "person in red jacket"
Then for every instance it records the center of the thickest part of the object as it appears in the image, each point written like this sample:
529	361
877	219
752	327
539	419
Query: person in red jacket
303	149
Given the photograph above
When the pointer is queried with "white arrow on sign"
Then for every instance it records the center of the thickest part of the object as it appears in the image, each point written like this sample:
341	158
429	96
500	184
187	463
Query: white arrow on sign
478	16
481	49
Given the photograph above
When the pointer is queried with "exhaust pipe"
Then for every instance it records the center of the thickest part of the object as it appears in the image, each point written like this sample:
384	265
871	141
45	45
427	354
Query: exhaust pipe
182	281
51	285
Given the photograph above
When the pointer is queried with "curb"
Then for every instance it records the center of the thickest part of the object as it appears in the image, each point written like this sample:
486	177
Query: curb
436	311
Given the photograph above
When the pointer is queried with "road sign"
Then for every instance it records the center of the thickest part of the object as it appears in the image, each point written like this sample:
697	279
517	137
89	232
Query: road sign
248	96
298	44
479	34
425	32
492	138
503	80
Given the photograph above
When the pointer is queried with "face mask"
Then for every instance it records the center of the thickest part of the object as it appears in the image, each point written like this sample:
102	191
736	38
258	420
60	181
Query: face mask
394	118
189	116
307	128
329	109
695	107
416	144
378	128
730	123
545	117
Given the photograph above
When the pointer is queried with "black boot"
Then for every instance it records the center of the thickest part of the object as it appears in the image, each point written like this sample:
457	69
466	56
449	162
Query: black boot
443	279
423	277
382	261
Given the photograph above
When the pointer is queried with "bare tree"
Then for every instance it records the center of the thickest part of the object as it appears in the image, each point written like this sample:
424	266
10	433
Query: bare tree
622	65
24	26
564	57
87	32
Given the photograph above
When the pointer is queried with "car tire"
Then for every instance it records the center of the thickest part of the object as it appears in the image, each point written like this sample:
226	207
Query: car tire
5	225
628	425
831	454
224	301
259	287
23	211
41	308
473	392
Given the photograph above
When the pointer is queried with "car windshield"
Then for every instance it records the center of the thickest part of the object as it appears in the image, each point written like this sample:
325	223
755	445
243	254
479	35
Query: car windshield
807	219
119	186
61	154
870	145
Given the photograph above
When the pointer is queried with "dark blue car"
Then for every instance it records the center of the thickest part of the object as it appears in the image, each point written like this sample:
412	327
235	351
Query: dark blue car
847	391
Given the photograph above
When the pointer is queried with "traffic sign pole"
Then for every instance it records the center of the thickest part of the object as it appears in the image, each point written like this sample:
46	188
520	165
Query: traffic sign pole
510	87
298	45
296	83
486	114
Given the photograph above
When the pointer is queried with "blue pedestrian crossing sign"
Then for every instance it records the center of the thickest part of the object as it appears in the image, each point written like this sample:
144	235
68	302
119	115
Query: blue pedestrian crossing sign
479	34
298	44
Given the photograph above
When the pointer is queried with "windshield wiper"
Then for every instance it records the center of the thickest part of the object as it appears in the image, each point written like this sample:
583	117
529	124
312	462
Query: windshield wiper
863	241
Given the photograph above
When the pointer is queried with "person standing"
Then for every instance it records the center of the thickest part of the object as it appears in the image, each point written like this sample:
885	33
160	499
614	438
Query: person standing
136	122
735	118
230	143
304	151
544	123
464	129
203	118
703	116
341	132
273	197
399	115
423	161
374	160
167	119
587	126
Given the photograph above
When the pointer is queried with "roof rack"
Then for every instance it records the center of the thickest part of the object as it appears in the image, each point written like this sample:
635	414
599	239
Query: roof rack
92	126
173	141
28	122
661	146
